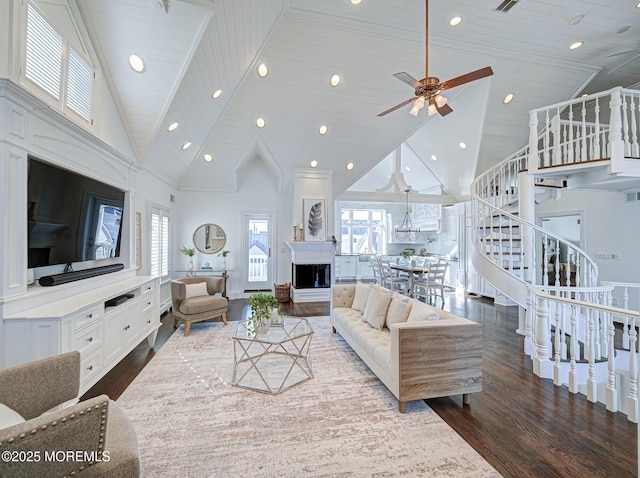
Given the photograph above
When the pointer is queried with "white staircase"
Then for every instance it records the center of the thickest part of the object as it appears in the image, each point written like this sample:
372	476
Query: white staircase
569	321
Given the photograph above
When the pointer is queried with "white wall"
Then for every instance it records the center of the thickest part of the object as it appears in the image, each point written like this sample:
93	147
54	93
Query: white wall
611	225
257	193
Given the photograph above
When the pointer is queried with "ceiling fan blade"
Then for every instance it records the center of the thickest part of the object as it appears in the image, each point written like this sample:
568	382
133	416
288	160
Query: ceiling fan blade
407	78
461	80
444	110
623	53
390	110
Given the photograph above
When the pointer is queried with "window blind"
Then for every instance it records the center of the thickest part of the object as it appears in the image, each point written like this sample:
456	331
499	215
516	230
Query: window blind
79	85
159	242
43	62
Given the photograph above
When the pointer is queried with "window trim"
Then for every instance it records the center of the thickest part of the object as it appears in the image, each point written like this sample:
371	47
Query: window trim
369	224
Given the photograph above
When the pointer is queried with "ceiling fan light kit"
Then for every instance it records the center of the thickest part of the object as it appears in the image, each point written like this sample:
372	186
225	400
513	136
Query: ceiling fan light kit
429	88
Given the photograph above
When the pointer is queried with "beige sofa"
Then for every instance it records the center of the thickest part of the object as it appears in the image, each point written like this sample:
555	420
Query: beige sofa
417	351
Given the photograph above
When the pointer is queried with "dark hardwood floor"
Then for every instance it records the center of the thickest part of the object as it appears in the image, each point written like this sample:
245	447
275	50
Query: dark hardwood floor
523	425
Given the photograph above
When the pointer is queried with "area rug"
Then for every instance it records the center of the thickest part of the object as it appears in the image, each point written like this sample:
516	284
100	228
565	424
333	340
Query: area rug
191	422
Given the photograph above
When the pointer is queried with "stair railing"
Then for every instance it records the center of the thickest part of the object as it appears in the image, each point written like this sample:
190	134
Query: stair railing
603	125
584	324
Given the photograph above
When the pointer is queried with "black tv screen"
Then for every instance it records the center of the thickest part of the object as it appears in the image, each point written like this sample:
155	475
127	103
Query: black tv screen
71	217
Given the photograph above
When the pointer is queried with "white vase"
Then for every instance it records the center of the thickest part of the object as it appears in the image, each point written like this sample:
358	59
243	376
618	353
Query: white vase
190	268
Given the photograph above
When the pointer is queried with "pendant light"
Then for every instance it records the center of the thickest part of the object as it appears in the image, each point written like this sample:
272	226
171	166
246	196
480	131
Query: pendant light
406	231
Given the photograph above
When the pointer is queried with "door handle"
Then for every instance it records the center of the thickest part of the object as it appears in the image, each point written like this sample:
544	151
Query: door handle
269	252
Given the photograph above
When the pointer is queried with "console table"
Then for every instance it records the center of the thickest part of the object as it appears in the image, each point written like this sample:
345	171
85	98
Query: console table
209	272
103	324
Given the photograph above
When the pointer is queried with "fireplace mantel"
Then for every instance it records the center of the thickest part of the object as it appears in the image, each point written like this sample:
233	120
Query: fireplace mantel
311	252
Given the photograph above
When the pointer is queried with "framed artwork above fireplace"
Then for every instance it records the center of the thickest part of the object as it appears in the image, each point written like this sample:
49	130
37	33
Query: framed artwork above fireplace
314	219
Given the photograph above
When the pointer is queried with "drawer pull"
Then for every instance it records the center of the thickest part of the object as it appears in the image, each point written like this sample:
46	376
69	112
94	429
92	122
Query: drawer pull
148	303
90	316
149	321
90	368
127	327
90	339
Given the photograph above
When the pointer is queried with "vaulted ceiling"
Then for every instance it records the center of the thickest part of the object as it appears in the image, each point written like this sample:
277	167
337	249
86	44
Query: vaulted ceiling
194	47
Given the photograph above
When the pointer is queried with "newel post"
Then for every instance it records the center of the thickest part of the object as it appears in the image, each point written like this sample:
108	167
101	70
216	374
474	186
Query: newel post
616	143
542	364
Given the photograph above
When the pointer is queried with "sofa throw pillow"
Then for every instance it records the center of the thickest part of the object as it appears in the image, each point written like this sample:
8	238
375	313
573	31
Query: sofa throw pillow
360	296
422	311
399	309
195	290
9	417
375	312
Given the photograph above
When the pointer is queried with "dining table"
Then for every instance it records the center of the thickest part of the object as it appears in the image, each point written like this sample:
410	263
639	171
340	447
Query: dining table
414	271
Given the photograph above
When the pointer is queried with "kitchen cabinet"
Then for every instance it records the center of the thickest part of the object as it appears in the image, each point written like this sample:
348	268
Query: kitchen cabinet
346	267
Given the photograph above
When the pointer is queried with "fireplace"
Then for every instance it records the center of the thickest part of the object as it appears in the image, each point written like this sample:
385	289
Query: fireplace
311	270
310	276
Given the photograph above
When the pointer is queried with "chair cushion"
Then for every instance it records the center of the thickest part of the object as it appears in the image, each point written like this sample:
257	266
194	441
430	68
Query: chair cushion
375	312
203	303
9	417
196	289
360	296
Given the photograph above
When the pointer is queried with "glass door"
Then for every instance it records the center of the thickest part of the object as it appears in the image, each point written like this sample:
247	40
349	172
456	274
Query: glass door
257	260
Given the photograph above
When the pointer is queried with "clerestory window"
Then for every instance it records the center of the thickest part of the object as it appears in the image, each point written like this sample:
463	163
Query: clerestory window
56	68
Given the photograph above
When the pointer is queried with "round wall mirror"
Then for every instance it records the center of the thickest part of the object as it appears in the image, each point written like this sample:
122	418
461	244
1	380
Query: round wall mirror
209	238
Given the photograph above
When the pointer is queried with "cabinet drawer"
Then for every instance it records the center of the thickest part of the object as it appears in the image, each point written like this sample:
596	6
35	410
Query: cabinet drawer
147	289
90	366
86	316
88	338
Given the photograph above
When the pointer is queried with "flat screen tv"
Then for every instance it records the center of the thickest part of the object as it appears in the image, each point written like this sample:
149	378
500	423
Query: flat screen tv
71	217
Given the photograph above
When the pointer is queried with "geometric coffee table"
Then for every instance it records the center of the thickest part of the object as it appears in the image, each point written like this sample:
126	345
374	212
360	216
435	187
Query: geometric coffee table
273	362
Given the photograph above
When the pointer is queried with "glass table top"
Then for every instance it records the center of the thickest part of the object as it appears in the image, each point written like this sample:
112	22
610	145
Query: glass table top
291	328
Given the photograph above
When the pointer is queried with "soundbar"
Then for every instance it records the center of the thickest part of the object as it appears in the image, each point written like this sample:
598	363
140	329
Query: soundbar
65	277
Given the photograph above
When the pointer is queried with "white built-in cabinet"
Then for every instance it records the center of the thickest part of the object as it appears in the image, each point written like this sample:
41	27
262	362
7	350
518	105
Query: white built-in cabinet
103	334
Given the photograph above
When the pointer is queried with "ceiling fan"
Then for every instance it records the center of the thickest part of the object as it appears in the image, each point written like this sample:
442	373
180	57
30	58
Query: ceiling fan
427	90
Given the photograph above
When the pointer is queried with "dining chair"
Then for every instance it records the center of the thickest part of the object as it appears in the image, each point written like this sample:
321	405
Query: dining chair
432	284
391	279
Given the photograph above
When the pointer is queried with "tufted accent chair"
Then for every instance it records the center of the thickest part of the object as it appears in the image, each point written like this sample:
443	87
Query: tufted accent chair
198	309
99	434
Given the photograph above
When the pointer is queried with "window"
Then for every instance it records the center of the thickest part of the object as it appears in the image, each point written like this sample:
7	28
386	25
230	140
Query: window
56	68
363	231
159	248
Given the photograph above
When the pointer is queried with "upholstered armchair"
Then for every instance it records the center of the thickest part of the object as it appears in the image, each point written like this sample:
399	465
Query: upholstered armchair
198	299
89	438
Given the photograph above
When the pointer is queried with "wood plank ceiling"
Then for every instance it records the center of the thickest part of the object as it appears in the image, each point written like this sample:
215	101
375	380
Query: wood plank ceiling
198	46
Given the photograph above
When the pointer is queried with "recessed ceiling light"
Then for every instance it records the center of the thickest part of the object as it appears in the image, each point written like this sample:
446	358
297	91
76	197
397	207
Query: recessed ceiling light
433	157
172	126
638	5
263	70
186	145
208	158
356	2
575	45
349	166
455	21
462	145
322	129
137	63
216	94
508	99
314	163
335	80
260	122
